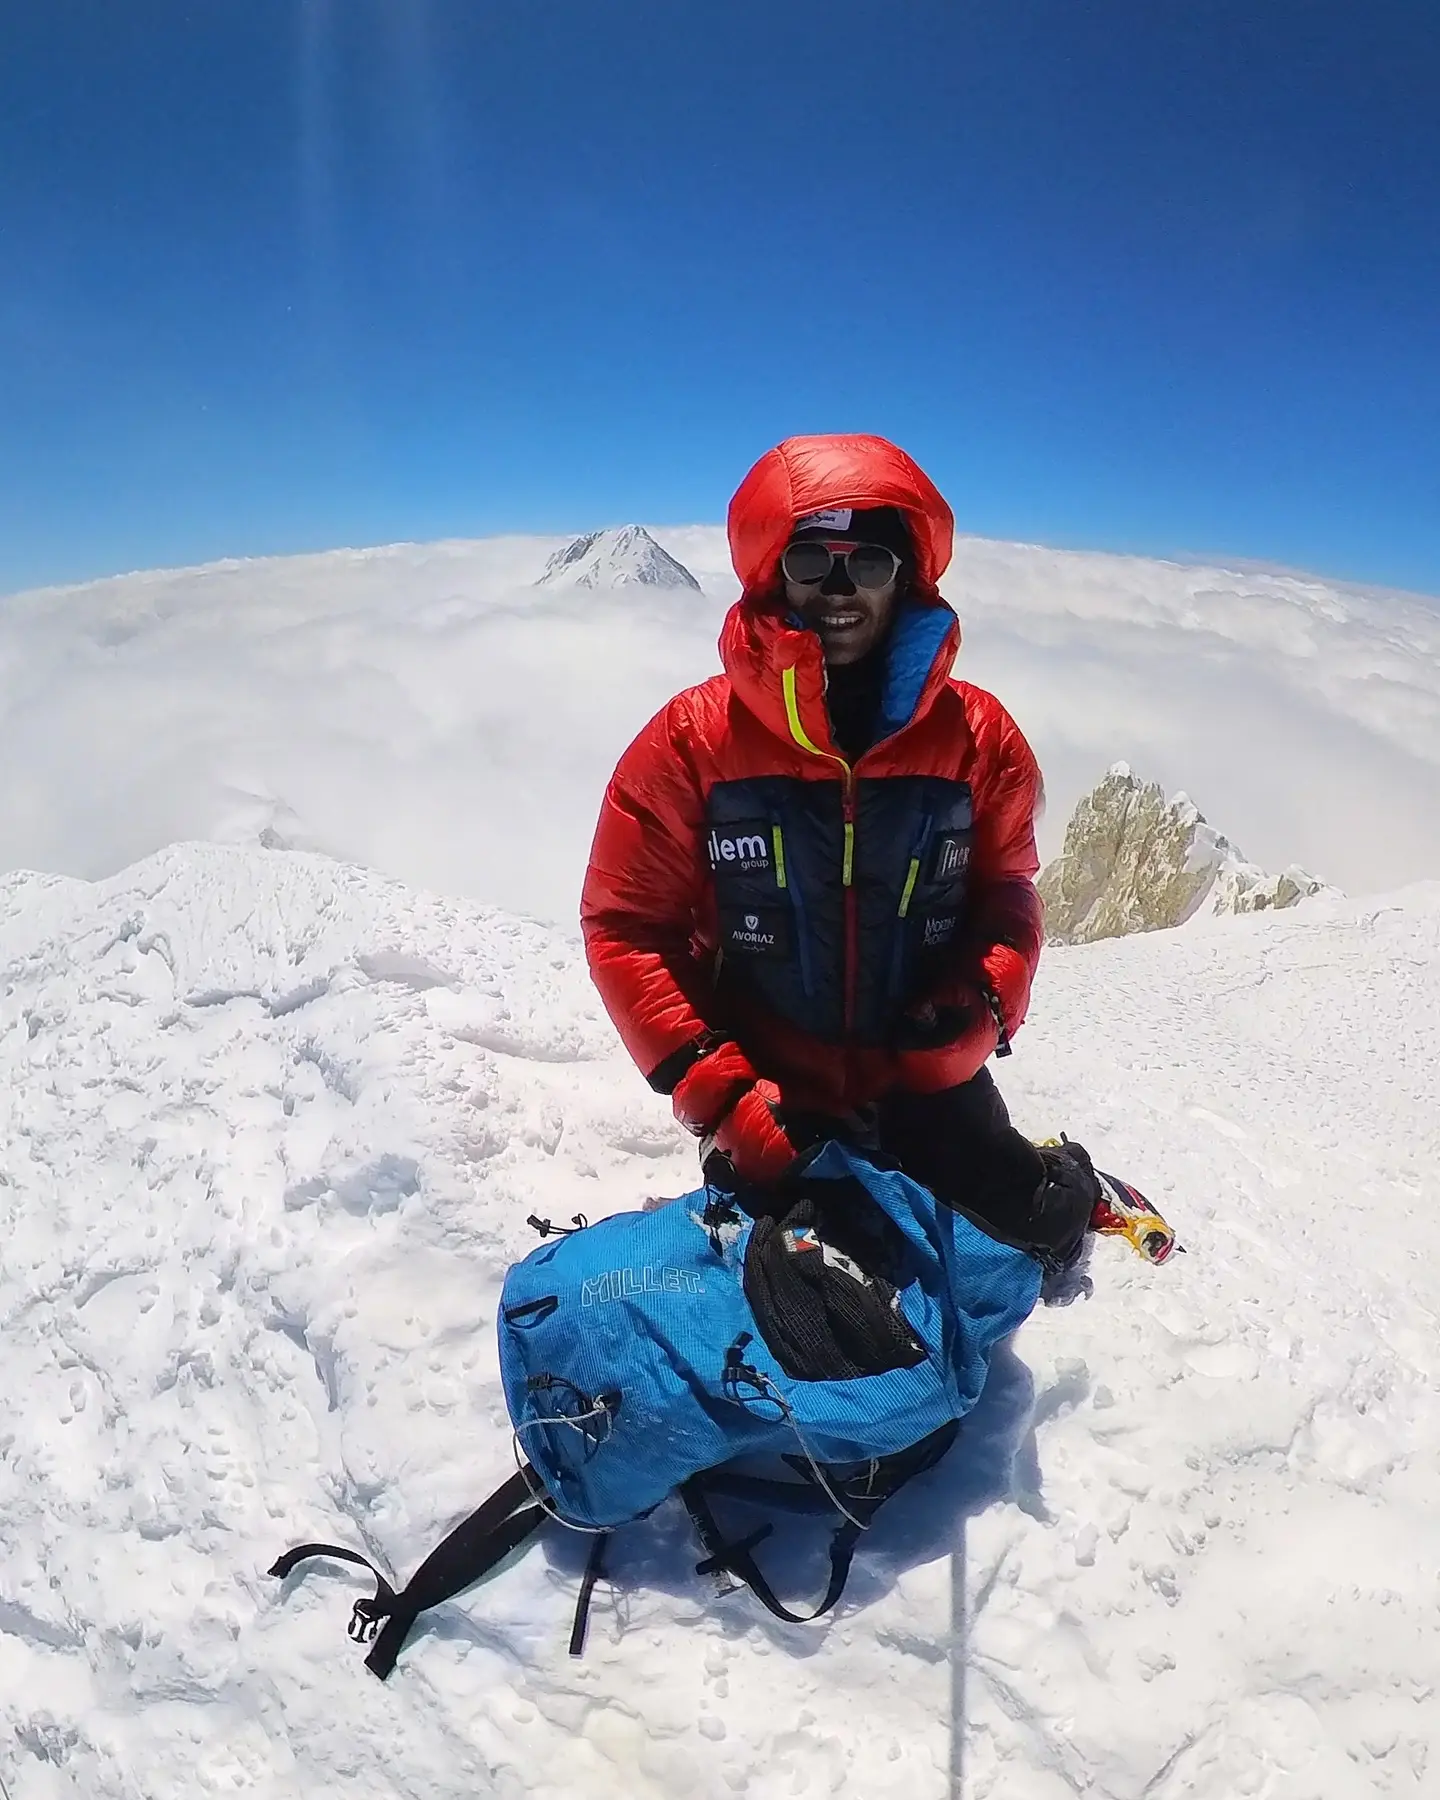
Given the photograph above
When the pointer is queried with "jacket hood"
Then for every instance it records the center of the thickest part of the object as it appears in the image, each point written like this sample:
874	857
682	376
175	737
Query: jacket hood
805	474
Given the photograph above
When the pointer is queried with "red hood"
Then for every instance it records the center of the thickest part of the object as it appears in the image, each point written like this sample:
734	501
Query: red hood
804	474
758	647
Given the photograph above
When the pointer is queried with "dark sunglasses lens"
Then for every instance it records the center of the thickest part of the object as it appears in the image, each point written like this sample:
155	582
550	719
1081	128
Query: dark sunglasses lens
872	566
806	563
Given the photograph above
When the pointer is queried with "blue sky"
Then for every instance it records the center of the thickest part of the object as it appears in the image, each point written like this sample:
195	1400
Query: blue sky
285	274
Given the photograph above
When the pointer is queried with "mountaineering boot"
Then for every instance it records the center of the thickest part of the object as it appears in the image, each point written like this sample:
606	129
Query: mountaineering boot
1067	1203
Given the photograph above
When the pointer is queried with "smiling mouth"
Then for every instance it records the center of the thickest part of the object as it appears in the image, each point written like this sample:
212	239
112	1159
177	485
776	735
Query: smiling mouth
839	621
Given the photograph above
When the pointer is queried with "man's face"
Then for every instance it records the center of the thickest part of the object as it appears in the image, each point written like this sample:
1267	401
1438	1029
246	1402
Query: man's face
848	619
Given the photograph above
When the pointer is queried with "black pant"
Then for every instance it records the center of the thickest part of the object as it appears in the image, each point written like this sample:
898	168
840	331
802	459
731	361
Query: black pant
960	1144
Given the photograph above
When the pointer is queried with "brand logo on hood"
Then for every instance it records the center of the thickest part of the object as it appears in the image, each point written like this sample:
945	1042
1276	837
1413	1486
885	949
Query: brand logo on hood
832	518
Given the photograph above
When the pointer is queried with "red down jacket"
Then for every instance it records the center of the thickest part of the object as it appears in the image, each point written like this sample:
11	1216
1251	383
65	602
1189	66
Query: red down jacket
747	882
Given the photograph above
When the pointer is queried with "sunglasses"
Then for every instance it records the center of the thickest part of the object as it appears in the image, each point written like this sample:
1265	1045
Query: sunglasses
867	565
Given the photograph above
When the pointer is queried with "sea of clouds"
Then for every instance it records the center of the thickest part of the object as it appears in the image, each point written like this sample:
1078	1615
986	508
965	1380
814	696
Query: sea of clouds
426	711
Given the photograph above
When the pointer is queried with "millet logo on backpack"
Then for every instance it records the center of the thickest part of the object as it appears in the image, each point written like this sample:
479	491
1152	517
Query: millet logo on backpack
617	1284
745	848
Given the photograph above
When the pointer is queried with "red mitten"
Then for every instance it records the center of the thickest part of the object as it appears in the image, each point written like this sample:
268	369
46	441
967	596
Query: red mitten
722	1100
753	1137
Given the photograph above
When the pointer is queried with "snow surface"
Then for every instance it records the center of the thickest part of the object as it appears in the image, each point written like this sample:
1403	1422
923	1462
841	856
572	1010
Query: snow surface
427	711
272	1128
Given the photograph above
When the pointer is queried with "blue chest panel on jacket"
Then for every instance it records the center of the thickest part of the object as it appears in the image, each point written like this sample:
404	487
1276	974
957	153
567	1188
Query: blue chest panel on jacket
779	856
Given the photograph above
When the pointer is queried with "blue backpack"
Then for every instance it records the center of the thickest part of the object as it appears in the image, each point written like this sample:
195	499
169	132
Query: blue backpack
846	1331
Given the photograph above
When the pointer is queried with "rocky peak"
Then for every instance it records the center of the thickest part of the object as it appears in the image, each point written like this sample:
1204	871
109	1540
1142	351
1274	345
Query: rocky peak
1134	861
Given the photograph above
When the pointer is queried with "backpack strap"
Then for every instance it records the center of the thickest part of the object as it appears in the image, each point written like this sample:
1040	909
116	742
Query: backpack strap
594	1569
735	1558
471	1550
863	1496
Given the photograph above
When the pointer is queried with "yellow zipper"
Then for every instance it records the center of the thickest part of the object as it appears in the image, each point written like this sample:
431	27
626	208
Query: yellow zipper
803	739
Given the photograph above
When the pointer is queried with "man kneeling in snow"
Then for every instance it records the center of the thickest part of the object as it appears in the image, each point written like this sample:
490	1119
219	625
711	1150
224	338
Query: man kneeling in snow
810	907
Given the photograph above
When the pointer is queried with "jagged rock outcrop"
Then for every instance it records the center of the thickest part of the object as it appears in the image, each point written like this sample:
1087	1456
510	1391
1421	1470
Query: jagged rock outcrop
624	557
1134	861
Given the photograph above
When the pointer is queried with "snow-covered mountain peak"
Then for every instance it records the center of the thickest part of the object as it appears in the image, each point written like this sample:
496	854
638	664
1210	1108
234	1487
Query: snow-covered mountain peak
625	556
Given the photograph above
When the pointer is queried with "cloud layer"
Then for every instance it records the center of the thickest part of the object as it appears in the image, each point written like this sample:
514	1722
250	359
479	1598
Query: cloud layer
424	710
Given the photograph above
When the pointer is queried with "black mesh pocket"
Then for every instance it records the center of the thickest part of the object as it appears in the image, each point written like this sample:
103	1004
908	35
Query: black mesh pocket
823	1281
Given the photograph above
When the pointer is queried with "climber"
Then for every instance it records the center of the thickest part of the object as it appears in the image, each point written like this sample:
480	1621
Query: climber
810	905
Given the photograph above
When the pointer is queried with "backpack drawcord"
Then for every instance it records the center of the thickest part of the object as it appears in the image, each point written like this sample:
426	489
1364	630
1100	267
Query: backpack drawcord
578	1223
603	1406
736	1371
815	1468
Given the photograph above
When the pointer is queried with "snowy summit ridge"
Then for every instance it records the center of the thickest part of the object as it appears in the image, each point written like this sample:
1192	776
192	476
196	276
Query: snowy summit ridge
626	556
